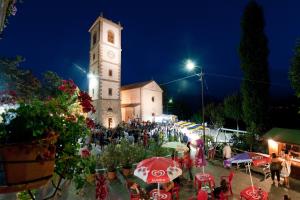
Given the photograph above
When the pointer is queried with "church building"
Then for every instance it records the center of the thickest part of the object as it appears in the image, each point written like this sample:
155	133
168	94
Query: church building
140	100
105	71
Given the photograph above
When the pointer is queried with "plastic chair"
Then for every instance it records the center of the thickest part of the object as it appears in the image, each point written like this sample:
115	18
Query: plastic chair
223	196
229	180
202	195
175	192
267	171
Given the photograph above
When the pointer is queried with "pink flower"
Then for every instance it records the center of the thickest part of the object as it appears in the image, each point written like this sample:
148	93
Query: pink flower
85	153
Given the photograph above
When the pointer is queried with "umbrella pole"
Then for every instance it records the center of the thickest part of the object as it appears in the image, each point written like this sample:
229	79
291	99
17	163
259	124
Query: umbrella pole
250	176
158	196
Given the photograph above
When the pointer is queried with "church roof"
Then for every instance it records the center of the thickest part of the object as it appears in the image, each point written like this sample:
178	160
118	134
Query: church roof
135	85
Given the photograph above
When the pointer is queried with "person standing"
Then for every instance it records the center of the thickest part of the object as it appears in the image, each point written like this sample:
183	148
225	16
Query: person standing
226	151
188	164
286	169
275	168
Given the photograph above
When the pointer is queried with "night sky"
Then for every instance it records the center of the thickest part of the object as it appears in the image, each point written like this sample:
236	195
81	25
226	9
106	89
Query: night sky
157	38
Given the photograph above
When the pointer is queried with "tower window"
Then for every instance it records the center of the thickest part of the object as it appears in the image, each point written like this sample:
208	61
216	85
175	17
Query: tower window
110	37
110	91
152	99
109	109
94	38
110	72
93	92
94	56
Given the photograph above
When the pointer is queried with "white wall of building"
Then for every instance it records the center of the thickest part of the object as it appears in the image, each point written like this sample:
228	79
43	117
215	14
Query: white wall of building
109	27
149	107
131	96
105	85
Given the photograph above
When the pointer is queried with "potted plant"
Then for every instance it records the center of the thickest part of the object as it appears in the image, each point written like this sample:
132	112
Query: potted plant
110	160
41	135
126	152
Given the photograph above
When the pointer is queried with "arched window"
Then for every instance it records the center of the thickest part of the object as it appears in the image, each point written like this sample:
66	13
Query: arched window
110	37
109	110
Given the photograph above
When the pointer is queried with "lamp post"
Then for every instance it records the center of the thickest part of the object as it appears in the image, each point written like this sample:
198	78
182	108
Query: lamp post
170	101
190	65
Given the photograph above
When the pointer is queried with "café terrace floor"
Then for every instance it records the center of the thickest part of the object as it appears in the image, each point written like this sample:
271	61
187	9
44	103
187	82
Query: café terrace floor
241	180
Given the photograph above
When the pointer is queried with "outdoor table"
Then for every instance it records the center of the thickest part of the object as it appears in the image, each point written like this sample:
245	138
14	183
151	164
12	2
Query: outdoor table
204	178
250	194
162	194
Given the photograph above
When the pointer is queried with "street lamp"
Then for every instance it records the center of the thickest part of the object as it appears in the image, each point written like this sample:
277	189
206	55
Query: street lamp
190	65
169	102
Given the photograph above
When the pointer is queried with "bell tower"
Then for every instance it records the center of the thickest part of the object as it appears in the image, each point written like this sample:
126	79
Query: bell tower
105	71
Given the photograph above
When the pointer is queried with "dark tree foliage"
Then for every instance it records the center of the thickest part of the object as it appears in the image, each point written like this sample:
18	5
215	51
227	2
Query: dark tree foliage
22	81
294	73
51	81
215	114
233	108
254	63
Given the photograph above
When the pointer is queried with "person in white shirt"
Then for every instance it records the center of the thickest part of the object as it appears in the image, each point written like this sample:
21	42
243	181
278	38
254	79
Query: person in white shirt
226	151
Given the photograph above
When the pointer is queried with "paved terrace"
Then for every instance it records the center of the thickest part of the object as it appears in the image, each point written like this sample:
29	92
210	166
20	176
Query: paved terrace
241	180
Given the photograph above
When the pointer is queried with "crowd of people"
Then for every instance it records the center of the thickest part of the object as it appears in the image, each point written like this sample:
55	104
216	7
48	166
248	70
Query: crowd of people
135	132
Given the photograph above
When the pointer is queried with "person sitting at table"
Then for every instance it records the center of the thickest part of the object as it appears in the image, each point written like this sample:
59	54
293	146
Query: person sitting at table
168	186
223	188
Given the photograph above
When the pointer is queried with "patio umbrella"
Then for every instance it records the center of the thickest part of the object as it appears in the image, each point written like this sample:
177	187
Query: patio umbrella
200	155
178	146
157	170
248	157
256	158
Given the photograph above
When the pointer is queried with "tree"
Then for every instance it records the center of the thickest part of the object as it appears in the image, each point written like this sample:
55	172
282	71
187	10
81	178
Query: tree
294	73
233	108
215	112
51	81
254	63
23	82
197	118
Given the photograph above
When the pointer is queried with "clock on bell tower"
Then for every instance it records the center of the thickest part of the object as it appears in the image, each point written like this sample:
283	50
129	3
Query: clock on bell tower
105	71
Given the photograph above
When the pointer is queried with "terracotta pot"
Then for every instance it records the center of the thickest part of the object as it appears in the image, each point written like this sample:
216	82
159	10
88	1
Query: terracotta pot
126	171
111	175
27	166
91	178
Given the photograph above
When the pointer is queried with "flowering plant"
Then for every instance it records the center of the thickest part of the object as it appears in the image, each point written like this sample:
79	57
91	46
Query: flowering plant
64	115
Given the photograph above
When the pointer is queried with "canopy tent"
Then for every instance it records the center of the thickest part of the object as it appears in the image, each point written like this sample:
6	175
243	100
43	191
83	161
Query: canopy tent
199	128
180	122
186	124
194	127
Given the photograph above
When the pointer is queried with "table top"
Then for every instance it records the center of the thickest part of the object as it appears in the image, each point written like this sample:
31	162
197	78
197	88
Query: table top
204	177
250	194
162	194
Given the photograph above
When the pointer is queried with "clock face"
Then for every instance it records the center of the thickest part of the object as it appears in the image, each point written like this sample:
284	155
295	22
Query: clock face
111	54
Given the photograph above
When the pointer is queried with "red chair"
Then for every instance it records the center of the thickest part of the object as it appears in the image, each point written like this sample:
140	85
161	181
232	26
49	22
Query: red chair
223	196
229	180
175	192
202	195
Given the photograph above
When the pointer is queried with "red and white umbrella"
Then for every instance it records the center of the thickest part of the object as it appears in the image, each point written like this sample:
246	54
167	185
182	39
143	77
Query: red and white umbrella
157	170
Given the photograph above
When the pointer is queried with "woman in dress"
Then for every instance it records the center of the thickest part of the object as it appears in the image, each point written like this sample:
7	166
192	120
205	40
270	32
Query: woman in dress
286	169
